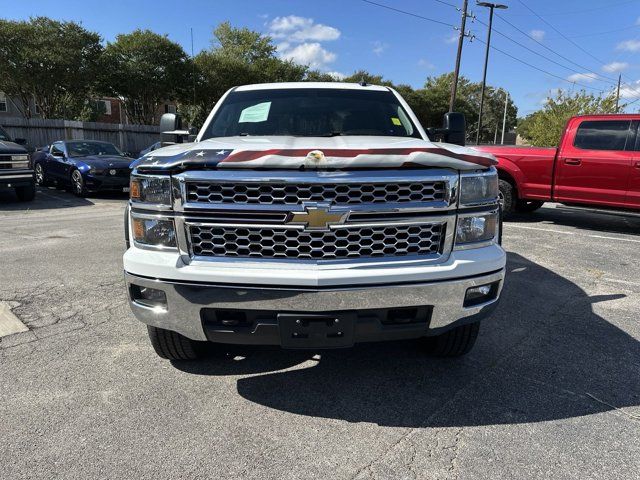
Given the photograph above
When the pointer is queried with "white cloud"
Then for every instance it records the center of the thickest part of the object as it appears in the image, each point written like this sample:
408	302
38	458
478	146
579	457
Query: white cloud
337	75
638	21
582	77
300	39
629	45
300	29
453	38
312	54
379	47
426	64
537	35
631	90
615	67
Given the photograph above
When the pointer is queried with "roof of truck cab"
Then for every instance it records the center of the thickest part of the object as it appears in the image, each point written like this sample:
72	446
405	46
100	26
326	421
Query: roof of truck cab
332	85
608	116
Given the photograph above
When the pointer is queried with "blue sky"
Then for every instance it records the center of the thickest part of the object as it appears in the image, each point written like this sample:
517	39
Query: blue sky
344	35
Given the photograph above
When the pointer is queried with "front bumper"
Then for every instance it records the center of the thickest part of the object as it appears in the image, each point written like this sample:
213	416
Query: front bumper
16	178
192	308
106	183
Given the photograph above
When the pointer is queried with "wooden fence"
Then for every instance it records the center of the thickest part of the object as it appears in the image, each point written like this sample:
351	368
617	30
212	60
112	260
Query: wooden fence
40	132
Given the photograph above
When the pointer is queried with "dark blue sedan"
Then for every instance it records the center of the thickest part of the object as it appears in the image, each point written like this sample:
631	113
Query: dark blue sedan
84	166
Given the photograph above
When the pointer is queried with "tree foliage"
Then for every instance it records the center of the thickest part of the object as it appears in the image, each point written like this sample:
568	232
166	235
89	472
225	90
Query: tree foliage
144	69
544	127
54	63
237	56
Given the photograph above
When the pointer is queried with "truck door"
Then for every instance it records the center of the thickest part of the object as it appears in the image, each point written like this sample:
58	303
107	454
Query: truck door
633	191
594	163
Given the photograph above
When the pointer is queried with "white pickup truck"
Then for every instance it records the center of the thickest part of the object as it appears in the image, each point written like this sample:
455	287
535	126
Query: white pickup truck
314	215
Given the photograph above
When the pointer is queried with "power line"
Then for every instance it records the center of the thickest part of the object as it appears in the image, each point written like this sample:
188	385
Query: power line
540	55
562	34
409	13
605	32
540	69
587	10
553	51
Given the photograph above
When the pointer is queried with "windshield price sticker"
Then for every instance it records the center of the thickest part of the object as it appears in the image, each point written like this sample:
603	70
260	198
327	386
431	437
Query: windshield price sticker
255	113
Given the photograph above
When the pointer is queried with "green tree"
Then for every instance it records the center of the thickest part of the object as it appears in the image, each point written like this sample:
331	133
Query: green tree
545	126
237	56
48	61
145	70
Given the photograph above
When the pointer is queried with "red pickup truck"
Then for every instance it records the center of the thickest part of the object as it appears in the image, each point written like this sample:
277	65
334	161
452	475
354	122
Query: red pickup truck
597	164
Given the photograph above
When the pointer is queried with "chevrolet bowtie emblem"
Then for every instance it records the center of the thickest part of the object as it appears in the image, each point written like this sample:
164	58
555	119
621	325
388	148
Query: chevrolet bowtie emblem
318	218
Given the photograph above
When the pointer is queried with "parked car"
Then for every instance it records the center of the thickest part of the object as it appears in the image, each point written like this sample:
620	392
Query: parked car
84	166
597	164
16	170
149	149
314	215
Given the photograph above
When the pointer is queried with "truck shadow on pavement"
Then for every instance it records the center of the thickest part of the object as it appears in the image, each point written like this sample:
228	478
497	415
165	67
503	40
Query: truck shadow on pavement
581	219
545	355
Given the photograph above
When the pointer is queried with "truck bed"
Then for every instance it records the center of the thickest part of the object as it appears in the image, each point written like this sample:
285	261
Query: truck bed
530	168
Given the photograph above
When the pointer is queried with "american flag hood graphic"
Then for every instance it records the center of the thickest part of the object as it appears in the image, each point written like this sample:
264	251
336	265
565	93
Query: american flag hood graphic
314	153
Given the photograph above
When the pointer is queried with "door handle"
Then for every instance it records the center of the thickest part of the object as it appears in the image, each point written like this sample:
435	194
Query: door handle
572	161
637	165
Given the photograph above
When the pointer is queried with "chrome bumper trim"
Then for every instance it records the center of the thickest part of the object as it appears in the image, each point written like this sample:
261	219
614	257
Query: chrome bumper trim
185	300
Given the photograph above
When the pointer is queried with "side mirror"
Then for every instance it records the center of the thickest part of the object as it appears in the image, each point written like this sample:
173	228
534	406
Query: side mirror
453	129
20	141
171	131
170	122
57	154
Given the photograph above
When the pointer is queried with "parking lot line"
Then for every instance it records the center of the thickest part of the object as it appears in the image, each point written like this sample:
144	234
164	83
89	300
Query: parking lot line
9	323
551	230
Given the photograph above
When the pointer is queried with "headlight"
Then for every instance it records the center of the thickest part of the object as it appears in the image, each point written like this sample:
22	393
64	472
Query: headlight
153	231
151	189
476	228
479	189
19	158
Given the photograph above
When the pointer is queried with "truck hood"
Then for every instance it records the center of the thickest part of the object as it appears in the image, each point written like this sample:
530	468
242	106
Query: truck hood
348	152
10	147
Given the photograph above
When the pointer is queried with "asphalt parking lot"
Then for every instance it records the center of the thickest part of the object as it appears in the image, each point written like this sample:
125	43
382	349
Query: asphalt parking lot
551	390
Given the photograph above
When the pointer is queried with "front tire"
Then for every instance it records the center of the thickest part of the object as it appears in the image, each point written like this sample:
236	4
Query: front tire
454	343
41	178
26	193
507	196
173	346
77	184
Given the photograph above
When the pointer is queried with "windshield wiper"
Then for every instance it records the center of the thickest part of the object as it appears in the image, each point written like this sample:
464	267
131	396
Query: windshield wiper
332	134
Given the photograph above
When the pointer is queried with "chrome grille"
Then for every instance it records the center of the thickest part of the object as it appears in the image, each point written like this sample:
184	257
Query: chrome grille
255	193
340	243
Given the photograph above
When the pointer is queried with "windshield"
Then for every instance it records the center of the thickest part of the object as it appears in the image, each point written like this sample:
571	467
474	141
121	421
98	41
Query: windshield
84	149
4	136
311	112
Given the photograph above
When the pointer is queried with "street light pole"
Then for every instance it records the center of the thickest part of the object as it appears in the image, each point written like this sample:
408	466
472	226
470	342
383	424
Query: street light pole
491	7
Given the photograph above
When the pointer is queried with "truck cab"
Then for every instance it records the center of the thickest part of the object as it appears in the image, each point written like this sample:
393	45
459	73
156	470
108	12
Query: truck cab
16	170
314	215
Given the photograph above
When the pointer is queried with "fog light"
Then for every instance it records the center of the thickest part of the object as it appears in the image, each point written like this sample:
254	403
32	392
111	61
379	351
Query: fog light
482	294
148	297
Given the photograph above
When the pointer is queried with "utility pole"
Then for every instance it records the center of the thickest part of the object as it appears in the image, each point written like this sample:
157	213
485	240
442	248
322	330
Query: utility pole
193	73
456	72
618	92
491	7
504	118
